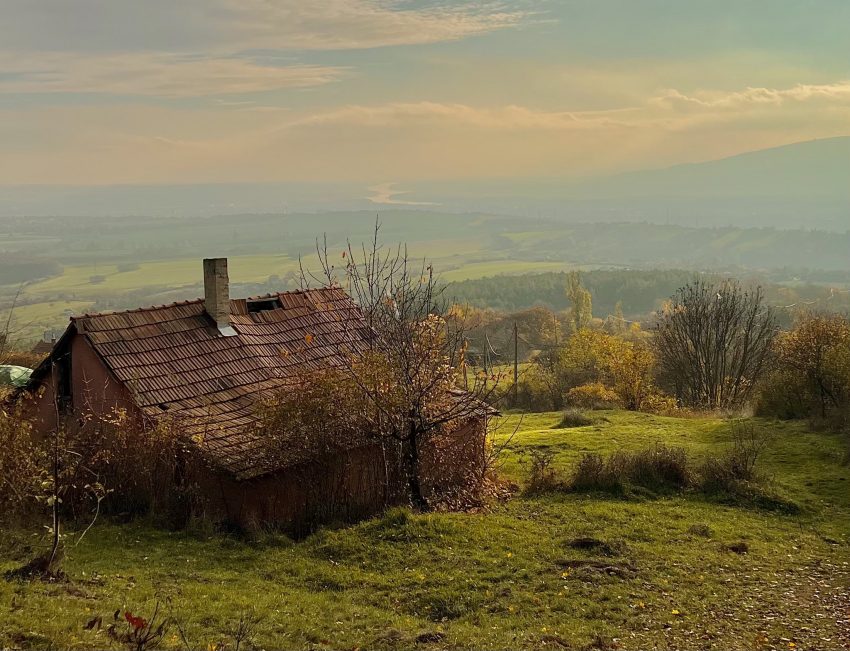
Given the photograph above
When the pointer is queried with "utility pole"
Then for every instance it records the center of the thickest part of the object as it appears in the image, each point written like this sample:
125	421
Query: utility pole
486	358
516	363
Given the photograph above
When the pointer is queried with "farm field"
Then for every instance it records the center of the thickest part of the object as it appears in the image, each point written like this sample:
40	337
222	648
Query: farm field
504	577
79	287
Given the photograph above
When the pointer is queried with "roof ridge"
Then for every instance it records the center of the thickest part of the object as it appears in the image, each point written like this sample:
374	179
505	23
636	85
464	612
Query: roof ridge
164	306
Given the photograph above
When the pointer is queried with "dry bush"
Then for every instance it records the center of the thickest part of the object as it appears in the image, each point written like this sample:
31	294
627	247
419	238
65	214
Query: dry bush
137	463
542	478
658	469
733	478
21	464
656	403
727	472
592	473
23	358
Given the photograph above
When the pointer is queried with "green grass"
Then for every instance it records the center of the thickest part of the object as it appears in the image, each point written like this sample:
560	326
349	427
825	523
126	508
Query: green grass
169	273
503	578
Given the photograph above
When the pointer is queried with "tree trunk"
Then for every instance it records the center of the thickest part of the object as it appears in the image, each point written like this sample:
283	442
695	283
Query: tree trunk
410	457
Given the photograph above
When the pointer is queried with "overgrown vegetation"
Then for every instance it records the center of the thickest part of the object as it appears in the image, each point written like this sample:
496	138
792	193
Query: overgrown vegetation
586	568
67	478
730	475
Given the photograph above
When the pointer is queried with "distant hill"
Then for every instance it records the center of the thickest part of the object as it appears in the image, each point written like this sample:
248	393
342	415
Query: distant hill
818	169
802	185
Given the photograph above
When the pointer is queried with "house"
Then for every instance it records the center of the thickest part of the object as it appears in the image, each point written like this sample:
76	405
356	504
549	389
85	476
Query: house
204	363
45	345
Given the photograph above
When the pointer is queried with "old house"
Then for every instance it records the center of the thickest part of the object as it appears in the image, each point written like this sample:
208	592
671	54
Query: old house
204	363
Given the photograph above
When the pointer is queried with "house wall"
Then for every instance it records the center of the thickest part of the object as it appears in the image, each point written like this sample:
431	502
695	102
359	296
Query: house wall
452	464
345	487
348	486
93	390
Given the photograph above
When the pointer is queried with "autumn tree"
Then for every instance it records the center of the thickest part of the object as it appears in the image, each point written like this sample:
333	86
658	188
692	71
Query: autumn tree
811	374
713	342
409	384
627	367
590	357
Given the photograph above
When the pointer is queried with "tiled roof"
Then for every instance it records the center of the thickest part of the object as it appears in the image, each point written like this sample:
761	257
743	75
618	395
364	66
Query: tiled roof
174	361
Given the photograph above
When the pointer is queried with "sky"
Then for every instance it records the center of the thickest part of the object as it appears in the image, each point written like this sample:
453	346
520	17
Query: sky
388	93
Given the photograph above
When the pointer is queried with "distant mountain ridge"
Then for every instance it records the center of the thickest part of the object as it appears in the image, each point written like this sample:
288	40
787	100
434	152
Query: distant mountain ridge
813	169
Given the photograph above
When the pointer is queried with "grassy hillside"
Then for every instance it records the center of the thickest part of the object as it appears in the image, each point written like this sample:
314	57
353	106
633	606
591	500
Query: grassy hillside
506	577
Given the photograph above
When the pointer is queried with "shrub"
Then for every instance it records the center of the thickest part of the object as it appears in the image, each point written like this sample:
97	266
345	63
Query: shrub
20	464
657	469
656	403
660	468
594	395
811	378
782	395
543	478
726	472
21	358
574	418
732	477
535	391
593	473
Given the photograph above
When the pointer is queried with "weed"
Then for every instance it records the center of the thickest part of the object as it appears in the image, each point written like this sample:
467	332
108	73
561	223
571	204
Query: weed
574	418
543	478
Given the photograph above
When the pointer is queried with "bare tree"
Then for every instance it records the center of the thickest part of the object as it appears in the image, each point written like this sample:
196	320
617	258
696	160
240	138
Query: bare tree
713	342
411	381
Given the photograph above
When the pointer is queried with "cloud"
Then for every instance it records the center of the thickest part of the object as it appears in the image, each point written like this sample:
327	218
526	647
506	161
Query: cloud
748	97
357	24
218	141
511	117
226	26
192	48
153	74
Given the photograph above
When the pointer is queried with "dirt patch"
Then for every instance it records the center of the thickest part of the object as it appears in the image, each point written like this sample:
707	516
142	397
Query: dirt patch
737	548
431	637
620	570
597	546
36	569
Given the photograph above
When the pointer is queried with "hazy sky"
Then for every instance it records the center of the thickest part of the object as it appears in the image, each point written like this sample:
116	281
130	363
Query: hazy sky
394	91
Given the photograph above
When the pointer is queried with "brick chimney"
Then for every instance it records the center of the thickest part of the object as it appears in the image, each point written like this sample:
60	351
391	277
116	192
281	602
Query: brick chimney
217	293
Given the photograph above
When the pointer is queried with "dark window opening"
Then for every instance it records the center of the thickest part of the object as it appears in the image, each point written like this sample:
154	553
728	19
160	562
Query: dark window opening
264	304
64	388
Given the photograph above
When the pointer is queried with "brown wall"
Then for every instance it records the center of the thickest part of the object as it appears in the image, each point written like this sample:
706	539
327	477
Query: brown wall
453	464
93	389
345	487
348	486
